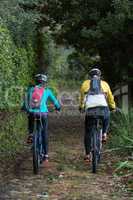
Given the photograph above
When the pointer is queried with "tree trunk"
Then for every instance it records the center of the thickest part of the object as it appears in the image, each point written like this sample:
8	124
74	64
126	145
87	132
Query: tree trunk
40	52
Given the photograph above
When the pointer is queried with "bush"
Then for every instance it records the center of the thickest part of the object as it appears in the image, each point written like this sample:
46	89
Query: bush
12	134
121	128
17	66
122	138
53	86
6	63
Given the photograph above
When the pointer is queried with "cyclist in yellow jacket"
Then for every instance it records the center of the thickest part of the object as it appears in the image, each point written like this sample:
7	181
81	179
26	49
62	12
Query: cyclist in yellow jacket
106	106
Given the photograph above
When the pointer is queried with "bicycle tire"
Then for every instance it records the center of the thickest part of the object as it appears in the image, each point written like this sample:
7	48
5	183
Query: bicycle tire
99	146
94	152
40	150
35	154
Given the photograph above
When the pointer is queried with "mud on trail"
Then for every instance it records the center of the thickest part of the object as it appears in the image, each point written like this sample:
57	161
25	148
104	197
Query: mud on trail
66	177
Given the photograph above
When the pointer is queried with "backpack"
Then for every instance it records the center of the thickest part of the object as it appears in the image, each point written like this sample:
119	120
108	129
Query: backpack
35	97
95	96
95	86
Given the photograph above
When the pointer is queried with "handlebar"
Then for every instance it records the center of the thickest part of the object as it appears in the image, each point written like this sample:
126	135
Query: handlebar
117	110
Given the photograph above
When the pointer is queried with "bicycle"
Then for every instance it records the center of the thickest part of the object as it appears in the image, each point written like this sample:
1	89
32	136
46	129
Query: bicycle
37	146
95	136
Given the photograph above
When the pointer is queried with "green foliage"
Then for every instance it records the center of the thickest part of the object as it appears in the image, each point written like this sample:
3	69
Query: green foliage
104	28
53	86
79	65
17	64
122	139
93	28
58	70
121	128
6	62
12	134
15	71
125	169
20	24
125	165
24	67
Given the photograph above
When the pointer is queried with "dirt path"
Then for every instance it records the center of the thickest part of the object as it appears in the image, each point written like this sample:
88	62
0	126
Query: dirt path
66	177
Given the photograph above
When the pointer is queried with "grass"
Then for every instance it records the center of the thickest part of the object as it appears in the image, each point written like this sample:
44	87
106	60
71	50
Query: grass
121	131
122	139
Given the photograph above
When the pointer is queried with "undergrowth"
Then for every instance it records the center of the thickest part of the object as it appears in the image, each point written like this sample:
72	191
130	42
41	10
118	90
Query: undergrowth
12	134
122	142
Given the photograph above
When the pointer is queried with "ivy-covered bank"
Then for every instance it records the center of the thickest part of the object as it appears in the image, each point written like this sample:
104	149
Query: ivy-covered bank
19	52
12	135
16	68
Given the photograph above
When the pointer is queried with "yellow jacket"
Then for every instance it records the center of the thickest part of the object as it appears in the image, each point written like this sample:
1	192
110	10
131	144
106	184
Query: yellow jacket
105	88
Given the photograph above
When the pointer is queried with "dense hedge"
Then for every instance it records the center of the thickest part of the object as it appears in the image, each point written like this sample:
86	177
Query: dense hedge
12	134
17	66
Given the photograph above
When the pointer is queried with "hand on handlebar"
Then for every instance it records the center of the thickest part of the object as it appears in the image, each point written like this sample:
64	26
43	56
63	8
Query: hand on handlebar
58	109
81	110
116	110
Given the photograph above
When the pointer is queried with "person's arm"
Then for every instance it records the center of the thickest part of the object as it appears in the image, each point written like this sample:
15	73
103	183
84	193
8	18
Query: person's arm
83	90
110	99
54	100
81	97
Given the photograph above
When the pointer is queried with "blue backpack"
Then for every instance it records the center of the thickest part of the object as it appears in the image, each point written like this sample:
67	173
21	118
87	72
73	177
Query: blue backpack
95	86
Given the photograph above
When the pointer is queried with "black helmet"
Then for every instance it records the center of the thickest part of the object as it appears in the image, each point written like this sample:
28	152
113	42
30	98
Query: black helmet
95	71
41	78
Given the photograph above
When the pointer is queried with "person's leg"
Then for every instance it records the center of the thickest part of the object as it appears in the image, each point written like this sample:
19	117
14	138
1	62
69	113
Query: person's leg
106	121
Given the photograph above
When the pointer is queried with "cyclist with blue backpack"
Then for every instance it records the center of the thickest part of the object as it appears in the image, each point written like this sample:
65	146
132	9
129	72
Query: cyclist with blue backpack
35	104
95	94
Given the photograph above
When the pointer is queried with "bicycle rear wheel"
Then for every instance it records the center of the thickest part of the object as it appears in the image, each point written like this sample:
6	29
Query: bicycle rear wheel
99	142
94	152
35	154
